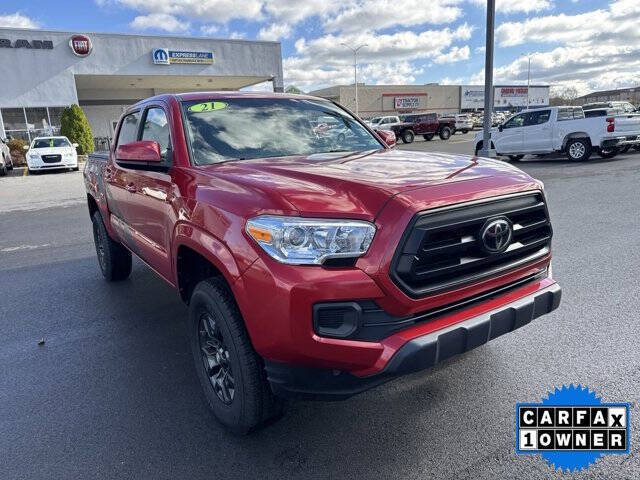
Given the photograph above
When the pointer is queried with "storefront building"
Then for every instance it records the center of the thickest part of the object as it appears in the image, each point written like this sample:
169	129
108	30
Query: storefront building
45	71
376	100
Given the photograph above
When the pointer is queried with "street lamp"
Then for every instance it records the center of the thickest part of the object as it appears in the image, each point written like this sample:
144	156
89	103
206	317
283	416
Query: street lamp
528	78
355	68
486	150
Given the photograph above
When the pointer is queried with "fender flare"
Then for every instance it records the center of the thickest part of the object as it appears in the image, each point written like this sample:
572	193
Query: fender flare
207	245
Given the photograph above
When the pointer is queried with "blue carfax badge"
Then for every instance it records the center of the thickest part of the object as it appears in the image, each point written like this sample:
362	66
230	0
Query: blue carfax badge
572	428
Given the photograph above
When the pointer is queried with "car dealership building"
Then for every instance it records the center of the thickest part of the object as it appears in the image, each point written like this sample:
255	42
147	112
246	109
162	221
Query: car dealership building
45	71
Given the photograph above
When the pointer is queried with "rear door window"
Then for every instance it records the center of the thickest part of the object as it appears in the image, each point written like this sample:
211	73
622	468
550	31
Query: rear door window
129	129
537	118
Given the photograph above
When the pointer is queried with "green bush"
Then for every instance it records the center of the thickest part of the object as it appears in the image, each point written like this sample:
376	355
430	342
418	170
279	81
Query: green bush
75	126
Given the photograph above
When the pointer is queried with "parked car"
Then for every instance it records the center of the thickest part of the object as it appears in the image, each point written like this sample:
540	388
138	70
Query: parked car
6	162
562	129
426	124
315	268
384	122
462	122
618	107
51	153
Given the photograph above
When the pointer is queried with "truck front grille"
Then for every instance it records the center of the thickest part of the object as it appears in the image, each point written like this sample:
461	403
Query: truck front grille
443	249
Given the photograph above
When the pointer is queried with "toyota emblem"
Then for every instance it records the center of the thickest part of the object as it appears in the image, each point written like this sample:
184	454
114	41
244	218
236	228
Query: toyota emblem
496	235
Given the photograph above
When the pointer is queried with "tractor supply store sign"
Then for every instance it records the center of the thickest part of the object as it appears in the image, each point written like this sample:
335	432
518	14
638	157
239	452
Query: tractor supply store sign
406	103
164	56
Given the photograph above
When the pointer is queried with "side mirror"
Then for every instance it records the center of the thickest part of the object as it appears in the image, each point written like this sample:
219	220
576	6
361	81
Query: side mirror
142	151
25	147
387	136
75	145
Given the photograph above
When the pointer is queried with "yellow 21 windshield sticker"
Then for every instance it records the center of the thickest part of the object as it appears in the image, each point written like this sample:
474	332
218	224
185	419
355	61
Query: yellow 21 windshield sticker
207	107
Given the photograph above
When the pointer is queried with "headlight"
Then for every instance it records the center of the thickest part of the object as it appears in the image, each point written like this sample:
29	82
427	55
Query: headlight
68	155
303	241
33	155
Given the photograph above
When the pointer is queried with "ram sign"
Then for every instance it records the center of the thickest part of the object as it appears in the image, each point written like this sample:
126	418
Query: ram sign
407	103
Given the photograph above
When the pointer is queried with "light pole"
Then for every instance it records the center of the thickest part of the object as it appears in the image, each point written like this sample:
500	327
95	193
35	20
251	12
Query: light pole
486	150
355	68
528	79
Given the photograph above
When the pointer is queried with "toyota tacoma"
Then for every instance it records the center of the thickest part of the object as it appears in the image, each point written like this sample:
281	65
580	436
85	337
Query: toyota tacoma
313	265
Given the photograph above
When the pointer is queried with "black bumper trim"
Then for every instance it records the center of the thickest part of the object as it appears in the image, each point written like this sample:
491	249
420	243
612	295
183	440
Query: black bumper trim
417	354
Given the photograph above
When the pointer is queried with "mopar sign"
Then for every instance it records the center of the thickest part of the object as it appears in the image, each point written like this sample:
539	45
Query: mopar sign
163	56
407	103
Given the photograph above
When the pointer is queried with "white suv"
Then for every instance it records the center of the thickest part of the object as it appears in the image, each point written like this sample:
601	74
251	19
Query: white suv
50	153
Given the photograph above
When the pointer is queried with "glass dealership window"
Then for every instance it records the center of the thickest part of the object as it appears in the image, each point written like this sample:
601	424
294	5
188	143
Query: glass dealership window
37	119
13	119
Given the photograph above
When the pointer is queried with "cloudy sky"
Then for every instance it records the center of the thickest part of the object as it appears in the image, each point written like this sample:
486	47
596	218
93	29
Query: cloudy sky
586	44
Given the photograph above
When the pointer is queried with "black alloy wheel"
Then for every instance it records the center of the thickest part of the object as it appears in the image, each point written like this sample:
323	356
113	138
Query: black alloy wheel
216	358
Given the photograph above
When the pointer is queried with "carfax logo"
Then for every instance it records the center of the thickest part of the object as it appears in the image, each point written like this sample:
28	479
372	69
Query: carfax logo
572	428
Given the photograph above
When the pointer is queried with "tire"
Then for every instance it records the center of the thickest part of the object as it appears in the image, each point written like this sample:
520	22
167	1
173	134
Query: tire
578	149
75	169
608	153
114	260
408	136
231	373
625	149
464	132
636	148
445	133
3	171
428	137
515	158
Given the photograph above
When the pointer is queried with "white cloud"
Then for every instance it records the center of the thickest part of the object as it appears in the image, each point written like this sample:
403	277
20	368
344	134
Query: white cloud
513	6
17	20
275	31
294	11
597	50
209	30
387	58
380	14
159	21
237	35
218	11
455	54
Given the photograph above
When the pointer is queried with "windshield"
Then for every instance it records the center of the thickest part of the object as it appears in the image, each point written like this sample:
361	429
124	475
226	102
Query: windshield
245	128
50	143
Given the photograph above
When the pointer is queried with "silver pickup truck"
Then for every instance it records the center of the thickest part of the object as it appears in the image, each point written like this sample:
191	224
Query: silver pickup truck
563	129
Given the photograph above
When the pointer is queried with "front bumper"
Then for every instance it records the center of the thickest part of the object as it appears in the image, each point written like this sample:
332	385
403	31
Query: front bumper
416	354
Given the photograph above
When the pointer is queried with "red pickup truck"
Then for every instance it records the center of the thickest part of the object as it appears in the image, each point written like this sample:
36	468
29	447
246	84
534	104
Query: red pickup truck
315	266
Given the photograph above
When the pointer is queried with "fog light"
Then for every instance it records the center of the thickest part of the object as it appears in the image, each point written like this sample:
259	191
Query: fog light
336	319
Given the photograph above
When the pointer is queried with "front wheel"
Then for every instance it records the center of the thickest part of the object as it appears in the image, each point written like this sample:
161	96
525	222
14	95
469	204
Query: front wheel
230	371
445	133
407	136
113	258
578	149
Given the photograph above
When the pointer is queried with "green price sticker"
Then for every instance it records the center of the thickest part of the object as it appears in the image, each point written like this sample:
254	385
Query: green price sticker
207	107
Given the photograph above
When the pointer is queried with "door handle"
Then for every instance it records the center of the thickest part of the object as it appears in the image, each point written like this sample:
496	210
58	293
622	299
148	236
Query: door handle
130	187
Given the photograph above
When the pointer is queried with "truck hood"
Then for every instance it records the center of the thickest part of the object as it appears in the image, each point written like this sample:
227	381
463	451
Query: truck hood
358	185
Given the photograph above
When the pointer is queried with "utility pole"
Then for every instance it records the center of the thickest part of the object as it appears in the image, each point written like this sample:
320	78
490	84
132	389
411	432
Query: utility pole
528	80
355	68
486	150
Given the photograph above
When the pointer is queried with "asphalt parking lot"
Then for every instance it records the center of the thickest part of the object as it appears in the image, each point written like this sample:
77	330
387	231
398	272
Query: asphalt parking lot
112	392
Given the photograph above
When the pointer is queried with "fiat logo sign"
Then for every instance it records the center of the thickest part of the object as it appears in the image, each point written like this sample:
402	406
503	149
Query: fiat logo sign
80	45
